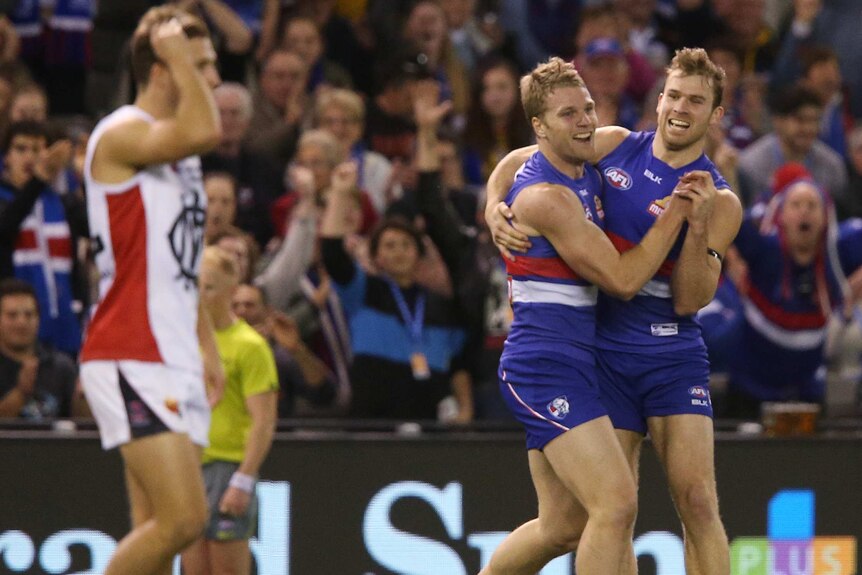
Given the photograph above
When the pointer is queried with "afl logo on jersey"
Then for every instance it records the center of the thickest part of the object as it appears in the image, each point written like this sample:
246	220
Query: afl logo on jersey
618	178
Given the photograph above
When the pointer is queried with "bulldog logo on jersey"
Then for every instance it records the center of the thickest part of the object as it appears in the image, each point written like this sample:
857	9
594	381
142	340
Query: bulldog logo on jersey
657	207
618	178
559	407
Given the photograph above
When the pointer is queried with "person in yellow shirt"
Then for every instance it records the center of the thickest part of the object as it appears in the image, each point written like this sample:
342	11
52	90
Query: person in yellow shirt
241	430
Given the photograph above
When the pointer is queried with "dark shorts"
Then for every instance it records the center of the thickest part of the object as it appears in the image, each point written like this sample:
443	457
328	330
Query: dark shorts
548	410
221	527
636	386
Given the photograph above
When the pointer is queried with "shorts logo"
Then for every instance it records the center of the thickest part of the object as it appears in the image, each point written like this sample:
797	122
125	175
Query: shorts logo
699	395
139	414
173	405
559	407
618	178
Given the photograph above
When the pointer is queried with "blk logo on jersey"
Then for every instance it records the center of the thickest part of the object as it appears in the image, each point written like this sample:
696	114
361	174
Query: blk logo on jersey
559	407
618	178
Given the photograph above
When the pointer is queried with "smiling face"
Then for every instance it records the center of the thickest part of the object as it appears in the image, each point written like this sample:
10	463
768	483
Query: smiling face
568	124
685	111
397	254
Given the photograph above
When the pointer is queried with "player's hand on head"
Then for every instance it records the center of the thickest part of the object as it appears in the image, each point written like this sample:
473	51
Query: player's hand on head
170	43
507	237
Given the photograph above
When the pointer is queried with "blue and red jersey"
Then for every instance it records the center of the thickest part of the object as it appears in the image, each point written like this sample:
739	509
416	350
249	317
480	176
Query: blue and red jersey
637	189
554	308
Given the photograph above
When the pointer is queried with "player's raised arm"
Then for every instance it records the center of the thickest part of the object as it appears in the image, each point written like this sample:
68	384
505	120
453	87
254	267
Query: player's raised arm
556	213
710	232
181	58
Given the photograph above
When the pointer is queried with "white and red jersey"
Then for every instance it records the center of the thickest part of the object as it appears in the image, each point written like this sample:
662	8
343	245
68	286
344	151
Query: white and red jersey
148	232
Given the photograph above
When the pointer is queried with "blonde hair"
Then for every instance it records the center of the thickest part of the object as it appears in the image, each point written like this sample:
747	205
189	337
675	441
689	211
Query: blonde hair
346	100
221	260
537	85
326	142
696	62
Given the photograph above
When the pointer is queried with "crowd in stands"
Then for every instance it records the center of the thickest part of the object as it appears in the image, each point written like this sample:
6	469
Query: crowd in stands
357	136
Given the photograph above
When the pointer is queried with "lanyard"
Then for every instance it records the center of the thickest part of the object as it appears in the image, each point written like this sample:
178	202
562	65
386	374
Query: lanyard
415	320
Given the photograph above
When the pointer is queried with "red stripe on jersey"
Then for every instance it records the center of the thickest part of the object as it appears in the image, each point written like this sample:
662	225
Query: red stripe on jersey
785	319
543	267
60	247
121	326
623	245
26	240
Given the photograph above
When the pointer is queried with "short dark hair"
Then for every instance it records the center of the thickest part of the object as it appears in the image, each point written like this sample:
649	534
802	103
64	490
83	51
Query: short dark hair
814	55
264	299
400	224
15	286
29	128
142	53
789	101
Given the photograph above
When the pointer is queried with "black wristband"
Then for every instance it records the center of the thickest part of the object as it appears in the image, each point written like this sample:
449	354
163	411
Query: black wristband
714	254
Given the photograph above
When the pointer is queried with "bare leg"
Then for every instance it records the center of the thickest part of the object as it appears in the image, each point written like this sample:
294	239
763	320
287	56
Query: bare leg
587	500
691	474
229	557
166	468
631	442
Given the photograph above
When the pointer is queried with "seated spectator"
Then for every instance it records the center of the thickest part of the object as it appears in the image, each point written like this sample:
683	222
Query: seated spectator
35	234
257	179
406	341
301	374
36	382
302	37
822	75
495	122
796	116
796	278
605	70
320	152
279	107
342	114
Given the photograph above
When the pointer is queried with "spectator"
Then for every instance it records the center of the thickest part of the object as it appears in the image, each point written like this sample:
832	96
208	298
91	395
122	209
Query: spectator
389	129
301	374
851	206
796	278
605	70
320	152
220	189
34	227
471	39
495	122
241	429
257	179
425	31
406	341
822	75
797	114
29	103
296	282
342	114
649	31
745	116
302	37
36	382
279	107
835	24
232	36
543	28
68	54
242	248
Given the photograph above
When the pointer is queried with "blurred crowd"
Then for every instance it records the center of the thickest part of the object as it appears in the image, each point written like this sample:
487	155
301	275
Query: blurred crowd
357	138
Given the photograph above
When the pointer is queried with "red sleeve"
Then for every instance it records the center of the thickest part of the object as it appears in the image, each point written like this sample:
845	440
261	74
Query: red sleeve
280	211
